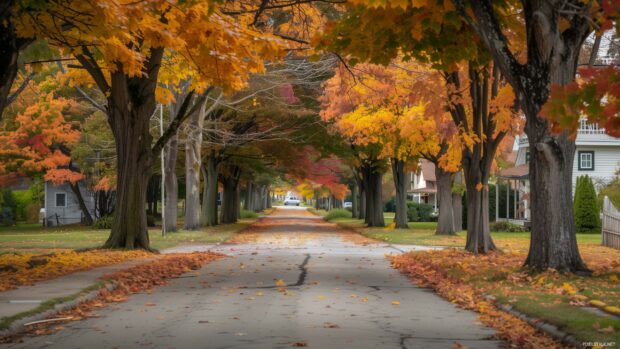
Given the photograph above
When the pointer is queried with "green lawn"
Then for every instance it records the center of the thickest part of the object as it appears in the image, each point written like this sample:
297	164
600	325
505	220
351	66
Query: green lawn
423	233
36	238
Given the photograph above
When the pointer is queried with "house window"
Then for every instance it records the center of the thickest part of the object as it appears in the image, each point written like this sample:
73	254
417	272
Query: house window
527	157
61	200
586	160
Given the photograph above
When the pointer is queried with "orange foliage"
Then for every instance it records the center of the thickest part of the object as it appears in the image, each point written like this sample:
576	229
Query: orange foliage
140	278
467	280
45	267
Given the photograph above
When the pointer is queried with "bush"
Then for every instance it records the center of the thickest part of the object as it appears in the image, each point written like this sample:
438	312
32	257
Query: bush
390	206
337	213
585	206
8	207
104	222
507	227
419	212
246	214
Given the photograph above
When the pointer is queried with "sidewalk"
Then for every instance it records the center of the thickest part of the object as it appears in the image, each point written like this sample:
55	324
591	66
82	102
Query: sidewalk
28	298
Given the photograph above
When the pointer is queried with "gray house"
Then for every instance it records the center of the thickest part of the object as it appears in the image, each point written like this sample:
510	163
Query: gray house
61	205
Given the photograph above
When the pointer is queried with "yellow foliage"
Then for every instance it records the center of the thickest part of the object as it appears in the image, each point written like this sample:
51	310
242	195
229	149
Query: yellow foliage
35	267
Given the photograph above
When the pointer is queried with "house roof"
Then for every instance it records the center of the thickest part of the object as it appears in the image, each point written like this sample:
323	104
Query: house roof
517	172
428	170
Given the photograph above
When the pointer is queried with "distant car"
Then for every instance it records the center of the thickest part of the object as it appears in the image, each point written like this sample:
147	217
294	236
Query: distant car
291	200
348	204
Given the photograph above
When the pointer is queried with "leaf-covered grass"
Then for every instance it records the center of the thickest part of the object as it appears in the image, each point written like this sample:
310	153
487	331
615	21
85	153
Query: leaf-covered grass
337	213
423	233
561	299
34	238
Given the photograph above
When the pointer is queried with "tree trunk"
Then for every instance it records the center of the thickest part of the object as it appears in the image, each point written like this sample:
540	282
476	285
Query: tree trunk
445	221
247	203
209	206
171	185
354	200
192	172
230	203
88	218
398	172
374	202
130	124
362	209
457	208
552	59
10	48
478	232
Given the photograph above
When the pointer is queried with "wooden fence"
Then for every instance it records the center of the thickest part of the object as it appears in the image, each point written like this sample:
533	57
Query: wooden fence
611	225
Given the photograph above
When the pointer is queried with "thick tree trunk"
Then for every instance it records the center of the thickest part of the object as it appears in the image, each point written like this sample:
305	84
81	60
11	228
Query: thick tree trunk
478	232
134	163
230	196
398	172
362	210
10	48
445	221
171	185
209	206
88	218
457	203
374	202
247	202
192	172
552	59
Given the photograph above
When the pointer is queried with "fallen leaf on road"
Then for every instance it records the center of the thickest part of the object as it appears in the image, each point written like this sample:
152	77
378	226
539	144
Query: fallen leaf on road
395	303
300	344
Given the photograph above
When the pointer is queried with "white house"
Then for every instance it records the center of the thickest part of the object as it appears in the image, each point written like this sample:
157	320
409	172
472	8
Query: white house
61	204
423	184
597	155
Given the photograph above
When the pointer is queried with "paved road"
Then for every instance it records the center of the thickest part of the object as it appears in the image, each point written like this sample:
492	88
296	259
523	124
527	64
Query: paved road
293	280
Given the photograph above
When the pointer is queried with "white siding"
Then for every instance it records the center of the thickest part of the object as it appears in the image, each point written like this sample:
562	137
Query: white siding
71	212
521	155
606	160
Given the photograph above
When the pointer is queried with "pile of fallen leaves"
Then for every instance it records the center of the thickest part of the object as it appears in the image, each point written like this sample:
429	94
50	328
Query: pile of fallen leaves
460	276
141	278
18	269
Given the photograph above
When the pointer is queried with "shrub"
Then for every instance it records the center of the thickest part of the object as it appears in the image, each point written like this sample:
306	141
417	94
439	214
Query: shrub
390	206
246	214
419	212
507	227
8	207
337	213
104	222
585	206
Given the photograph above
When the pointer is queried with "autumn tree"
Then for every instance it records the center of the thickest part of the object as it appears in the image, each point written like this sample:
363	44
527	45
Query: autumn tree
554	32
122	47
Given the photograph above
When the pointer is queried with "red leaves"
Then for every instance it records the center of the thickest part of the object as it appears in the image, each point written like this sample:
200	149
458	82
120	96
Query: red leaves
595	95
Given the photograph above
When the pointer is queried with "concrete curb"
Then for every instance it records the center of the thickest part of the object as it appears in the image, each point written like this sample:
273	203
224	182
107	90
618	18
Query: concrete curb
545	327
17	326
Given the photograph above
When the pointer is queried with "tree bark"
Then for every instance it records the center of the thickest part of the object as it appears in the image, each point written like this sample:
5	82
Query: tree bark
88	218
354	200
445	221
209	205
10	47
457	204
192	172
552	59
374	202
247	203
230	197
398	172
171	185
478	231
129	117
